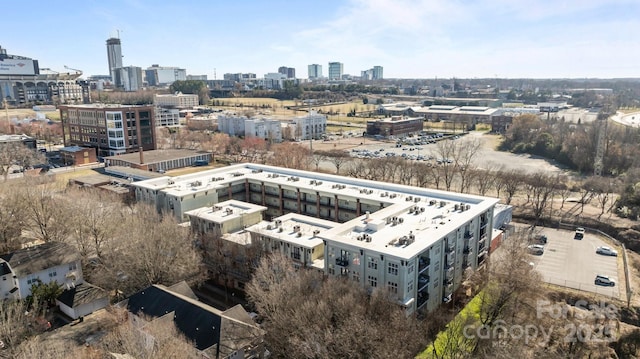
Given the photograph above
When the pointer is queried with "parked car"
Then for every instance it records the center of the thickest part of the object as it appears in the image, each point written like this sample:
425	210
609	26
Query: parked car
579	233
536	249
604	280
607	251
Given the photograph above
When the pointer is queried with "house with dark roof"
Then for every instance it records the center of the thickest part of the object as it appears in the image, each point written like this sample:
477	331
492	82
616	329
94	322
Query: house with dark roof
48	262
215	333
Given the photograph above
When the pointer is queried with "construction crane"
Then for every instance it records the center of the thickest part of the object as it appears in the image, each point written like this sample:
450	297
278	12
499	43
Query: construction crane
78	72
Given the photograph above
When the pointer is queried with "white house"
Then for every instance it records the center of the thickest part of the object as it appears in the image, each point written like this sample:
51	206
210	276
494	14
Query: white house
48	262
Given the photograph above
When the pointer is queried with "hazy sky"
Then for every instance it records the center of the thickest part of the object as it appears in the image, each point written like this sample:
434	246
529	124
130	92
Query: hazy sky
409	38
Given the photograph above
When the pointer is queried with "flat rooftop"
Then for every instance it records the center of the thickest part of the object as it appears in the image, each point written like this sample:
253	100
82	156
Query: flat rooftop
225	211
427	214
295	229
155	156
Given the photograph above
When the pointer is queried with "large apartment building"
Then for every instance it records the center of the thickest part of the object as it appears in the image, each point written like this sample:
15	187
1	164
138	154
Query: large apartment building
415	243
111	129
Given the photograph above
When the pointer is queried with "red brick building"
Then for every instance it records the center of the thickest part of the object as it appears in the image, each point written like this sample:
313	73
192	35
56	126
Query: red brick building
110	129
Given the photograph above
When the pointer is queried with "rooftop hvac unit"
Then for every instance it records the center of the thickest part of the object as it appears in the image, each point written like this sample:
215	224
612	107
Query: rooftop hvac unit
360	238
367	238
269	226
468	207
171	182
416	200
316	232
299	234
217	208
318	183
456	207
278	222
400	220
312	182
229	211
388	220
443	203
280	230
393	195
432	202
422	209
296	228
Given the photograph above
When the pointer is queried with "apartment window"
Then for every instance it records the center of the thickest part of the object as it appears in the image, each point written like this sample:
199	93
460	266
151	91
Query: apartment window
410	269
356	277
392	268
53	274
436	267
73	266
372	263
392	287
332	270
410	286
373	281
296	253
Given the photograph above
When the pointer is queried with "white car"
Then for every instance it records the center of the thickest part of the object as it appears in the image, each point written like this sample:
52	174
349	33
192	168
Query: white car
604	280
607	251
536	249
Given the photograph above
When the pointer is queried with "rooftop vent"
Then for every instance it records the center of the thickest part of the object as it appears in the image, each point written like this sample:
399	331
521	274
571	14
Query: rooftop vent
393	195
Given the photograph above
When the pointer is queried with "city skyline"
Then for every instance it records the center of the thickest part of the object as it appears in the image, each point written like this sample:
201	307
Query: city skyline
409	38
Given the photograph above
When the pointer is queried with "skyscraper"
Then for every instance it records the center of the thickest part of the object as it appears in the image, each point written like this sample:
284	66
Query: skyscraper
335	70
114	56
315	71
377	73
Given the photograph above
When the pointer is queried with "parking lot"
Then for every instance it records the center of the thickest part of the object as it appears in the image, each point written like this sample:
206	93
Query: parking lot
574	263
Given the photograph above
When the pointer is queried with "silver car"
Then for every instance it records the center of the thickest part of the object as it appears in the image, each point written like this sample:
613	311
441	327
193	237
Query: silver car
607	251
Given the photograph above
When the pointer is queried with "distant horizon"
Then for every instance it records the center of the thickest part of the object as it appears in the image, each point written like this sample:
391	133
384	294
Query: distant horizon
410	39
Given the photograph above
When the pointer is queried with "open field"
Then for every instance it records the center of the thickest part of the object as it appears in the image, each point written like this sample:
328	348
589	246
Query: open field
252	101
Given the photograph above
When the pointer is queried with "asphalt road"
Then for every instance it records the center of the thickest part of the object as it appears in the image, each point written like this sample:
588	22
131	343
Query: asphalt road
574	263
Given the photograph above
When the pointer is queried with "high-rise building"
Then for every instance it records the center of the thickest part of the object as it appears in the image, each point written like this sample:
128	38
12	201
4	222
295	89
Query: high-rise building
289	71
114	56
335	70
314	71
377	73
162	76
130	78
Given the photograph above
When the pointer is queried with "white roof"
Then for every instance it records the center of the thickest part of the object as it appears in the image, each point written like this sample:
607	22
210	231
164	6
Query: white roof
307	234
225	211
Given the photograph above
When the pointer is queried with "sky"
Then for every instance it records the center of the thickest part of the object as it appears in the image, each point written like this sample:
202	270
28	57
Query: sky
409	38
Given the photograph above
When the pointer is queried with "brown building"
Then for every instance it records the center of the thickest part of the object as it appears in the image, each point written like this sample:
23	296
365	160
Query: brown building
160	160
111	129
76	155
394	126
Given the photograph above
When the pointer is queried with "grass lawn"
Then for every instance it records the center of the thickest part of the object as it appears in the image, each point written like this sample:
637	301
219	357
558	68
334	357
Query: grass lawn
453	339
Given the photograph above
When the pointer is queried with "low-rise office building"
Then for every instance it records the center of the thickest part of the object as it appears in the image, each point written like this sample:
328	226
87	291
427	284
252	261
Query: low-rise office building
394	126
265	128
159	160
415	243
177	100
111	129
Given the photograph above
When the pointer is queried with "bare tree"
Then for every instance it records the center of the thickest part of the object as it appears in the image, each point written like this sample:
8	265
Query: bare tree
12	217
45	214
308	316
15	153
540	188
511	183
338	158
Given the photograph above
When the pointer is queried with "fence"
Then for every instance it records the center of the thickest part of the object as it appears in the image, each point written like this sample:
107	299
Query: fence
608	291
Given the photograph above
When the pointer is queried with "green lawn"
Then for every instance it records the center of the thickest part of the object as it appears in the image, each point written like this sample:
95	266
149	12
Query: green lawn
452	339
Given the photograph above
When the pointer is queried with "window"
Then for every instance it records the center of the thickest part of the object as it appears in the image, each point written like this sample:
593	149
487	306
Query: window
356	277
410	269
73	266
410	286
392	287
372	263
332	270
373	281
296	253
392	268
53	274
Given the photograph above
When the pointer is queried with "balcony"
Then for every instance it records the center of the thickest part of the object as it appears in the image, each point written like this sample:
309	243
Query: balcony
423	264
466	250
449	274
423	298
342	262
468	235
423	282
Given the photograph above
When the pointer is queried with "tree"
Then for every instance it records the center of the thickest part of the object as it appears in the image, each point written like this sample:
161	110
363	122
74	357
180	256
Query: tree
12	217
159	339
15	153
45	215
308	316
154	250
540	188
44	294
194	87
338	158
